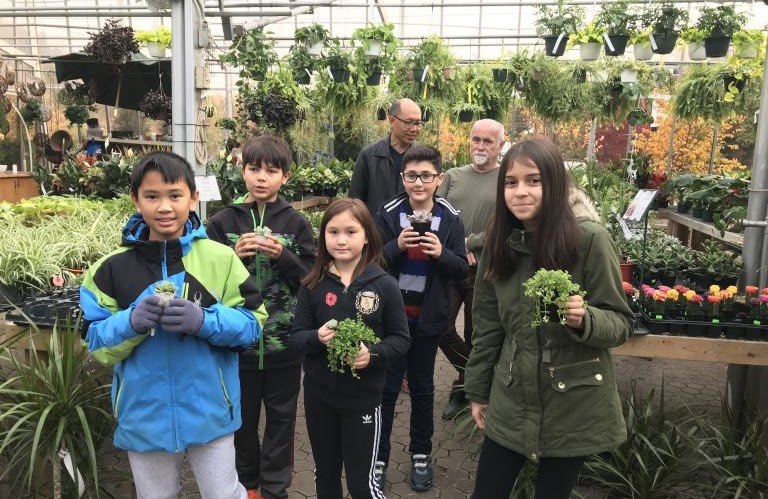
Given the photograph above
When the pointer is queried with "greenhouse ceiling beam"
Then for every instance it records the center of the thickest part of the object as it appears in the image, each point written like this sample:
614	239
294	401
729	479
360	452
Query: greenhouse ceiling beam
468	3
126	13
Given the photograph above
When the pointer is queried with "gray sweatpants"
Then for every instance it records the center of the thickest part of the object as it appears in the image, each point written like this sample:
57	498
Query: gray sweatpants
157	475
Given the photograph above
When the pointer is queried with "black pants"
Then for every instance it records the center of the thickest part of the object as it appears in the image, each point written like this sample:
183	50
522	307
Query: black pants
420	363
499	467
343	437
267	466
455	348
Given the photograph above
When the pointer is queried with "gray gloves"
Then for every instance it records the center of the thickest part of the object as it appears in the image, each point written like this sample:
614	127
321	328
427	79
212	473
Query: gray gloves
181	316
146	314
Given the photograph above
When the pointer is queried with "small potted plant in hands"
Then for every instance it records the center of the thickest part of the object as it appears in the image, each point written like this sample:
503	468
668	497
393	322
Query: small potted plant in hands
555	24
550	287
719	23
616	19
262	233
421	221
165	290
344	346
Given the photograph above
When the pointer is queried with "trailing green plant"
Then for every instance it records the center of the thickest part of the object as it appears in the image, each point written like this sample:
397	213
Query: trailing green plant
301	63
227	124
748	38
550	287
693	35
590	33
669	19
312	34
50	405
551	21
345	344
78	114
382	33
431	52
254	52
720	21
161	35
114	44
32	111
639	116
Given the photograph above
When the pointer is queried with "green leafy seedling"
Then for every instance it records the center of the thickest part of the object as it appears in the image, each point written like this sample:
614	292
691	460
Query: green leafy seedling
344	346
550	287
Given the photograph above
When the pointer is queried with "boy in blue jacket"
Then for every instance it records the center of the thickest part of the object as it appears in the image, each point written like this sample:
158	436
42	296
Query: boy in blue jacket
175	387
423	261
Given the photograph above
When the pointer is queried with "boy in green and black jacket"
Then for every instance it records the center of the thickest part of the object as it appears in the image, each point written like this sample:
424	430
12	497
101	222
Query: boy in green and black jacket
278	247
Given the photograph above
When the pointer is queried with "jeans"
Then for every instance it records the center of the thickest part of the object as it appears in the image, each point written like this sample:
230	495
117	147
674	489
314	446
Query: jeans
420	364
455	348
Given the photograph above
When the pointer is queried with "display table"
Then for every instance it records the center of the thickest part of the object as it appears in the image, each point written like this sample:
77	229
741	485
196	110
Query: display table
122	144
692	231
17	186
753	353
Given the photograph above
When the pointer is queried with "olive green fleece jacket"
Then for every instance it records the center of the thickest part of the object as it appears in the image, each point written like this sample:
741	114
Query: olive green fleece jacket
551	390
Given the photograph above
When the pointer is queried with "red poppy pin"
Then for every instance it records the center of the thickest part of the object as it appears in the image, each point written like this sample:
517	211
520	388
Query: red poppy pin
330	299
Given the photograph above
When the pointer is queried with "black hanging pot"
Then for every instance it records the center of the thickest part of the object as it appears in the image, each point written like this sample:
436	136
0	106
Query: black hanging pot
425	114
340	75
579	75
419	74
465	116
549	45
381	114
619	43
665	43
500	75
739	84
373	79
302	78
717	46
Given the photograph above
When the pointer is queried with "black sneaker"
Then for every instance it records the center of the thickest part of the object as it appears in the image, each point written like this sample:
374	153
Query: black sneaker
456	402
380	474
421	472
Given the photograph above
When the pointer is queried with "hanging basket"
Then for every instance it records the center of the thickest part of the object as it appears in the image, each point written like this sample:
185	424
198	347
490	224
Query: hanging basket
696	51
665	43
60	141
22	93
3	85
717	46
8	104
500	75
590	51
10	75
374	48
340	75
45	113
619	43
381	114
36	87
551	46
449	73
465	116
315	48
302	78
373	79
156	50
40	139
642	52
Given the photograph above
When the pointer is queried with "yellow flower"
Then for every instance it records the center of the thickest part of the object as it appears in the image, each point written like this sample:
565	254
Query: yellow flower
688	294
732	289
714	289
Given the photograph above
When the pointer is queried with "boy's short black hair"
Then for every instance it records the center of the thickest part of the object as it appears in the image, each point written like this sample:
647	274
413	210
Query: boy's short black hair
171	166
423	153
267	149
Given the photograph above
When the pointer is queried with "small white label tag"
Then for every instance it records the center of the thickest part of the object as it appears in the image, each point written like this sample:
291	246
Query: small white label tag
608	42
557	42
653	42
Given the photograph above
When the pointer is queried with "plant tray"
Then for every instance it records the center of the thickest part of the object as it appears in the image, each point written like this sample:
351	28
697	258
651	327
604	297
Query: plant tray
44	311
730	330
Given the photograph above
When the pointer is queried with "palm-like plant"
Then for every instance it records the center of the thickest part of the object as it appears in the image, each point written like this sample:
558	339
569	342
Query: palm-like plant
50	405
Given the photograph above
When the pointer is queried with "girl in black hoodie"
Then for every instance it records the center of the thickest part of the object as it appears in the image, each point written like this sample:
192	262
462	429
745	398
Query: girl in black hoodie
343	413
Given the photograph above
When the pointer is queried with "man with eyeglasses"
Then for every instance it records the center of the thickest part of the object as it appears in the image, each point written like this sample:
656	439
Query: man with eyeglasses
376	177
471	189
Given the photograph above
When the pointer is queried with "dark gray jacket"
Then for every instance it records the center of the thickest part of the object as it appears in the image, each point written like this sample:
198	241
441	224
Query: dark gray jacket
375	178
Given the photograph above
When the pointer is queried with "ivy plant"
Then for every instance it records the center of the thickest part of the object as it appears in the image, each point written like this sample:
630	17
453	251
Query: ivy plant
344	346
550	287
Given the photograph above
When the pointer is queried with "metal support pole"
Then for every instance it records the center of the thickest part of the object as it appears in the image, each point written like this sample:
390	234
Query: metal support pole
592	135
671	154
185	97
714	148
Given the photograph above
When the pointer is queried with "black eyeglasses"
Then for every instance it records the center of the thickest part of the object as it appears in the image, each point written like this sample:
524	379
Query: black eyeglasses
426	178
409	124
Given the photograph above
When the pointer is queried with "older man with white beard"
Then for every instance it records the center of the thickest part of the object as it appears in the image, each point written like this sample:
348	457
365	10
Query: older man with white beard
472	190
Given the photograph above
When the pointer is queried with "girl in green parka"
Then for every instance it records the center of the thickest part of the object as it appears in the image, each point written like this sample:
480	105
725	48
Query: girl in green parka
547	393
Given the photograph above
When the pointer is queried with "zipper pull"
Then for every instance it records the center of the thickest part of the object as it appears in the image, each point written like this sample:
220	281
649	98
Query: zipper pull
546	352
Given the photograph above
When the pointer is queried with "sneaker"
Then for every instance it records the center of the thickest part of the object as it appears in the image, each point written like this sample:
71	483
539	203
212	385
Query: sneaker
421	472
254	494
456	402
380	474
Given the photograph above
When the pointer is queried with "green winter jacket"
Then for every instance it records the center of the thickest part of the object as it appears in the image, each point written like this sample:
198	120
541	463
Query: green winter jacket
551	391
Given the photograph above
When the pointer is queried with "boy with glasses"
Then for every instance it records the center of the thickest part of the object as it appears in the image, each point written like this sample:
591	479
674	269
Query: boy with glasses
376	176
423	264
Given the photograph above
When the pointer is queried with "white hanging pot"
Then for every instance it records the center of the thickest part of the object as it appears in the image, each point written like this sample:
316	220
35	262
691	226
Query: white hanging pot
374	48
746	51
642	52
628	76
156	50
158	5
315	48
590	51
696	51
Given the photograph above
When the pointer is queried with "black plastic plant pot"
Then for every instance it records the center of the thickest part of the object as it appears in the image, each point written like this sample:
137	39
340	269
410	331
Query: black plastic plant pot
683	208
696	212
465	116
500	75
340	75
579	75
717	46
418	74
665	43
677	327
619	43
706	216
421	227
373	79
330	192
728	79
381	114
549	46
426	114
302	78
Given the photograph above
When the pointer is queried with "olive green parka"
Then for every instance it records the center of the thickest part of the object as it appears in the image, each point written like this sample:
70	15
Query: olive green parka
551	390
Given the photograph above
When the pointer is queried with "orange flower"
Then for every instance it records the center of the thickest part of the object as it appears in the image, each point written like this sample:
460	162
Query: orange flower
714	298
659	296
751	290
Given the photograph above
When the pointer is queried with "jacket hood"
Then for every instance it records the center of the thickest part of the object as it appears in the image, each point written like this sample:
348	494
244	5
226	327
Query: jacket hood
583	207
372	272
136	232
240	206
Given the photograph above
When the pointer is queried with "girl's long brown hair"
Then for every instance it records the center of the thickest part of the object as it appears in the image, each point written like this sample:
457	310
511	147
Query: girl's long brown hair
371	251
555	243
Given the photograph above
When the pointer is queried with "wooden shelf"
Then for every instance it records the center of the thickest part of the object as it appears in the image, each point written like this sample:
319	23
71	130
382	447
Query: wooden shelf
692	230
754	353
312	202
17	186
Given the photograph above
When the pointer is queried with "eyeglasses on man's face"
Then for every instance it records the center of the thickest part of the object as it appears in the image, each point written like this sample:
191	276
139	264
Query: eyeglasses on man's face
426	178
409	124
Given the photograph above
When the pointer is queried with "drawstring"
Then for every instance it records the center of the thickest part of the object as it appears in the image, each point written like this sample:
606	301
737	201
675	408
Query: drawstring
258	277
